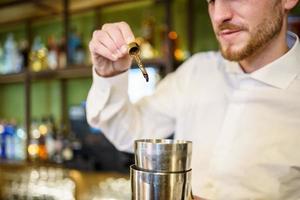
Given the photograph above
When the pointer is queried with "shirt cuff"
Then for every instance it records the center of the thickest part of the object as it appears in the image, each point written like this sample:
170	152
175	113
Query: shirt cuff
107	95
113	81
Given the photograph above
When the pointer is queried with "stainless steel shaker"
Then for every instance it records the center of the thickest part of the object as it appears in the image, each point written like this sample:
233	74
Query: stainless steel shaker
162	170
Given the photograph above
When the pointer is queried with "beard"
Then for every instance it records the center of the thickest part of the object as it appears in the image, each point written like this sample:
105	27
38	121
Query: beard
261	35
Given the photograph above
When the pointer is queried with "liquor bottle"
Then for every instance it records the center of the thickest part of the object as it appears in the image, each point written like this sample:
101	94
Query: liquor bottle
148	29
12	57
20	144
50	142
33	147
38	56
75	48
62	53
58	140
67	152
52	53
43	154
10	141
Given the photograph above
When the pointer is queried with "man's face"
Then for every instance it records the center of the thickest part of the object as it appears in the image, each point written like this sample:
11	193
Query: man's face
243	27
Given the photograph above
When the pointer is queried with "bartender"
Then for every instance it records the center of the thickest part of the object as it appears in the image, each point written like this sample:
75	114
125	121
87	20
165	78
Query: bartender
240	106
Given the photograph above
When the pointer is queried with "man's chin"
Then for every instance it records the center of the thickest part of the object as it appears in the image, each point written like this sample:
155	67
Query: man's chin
233	55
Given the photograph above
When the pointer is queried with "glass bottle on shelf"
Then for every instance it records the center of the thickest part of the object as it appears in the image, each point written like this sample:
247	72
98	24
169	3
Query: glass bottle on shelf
68	150
58	140
146	42
12	57
50	142
52	53
43	129
75	48
10	140
38	56
62	54
20	144
33	147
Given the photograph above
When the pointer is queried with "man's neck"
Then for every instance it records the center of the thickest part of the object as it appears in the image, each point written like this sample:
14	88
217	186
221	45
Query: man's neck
267	54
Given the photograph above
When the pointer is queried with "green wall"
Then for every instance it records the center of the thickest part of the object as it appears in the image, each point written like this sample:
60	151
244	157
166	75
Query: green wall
77	90
46	99
12	102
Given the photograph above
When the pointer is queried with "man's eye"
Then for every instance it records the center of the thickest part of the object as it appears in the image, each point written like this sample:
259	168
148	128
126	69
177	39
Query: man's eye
210	1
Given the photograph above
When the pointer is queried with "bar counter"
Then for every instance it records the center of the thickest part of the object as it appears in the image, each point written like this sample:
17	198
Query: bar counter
23	180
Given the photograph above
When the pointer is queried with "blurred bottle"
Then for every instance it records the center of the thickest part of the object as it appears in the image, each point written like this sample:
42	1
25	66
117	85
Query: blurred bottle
20	144
12	58
10	131
12	141
50	142
148	29
79	58
33	147
67	152
52	53
57	157
62	53
146	42
43	129
75	48
38	56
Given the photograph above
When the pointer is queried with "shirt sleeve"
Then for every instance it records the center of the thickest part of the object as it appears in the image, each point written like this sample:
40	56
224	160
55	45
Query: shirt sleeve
109	108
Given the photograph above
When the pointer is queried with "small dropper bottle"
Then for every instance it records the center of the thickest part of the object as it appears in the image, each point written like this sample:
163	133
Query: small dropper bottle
134	51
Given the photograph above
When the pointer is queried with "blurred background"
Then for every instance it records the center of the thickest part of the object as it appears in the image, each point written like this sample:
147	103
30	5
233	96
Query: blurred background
47	149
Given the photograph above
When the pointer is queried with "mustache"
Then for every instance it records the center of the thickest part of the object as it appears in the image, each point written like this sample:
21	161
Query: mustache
230	26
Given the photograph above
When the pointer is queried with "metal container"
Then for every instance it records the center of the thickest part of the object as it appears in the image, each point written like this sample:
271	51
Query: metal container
163	155
147	185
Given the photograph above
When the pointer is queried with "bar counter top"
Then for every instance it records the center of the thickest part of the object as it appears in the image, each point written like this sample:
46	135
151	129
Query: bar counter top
88	184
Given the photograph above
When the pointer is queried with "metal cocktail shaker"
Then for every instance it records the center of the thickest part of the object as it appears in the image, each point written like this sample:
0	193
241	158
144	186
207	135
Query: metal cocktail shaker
162	170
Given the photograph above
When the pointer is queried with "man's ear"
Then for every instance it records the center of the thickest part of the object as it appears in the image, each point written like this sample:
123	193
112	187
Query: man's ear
290	4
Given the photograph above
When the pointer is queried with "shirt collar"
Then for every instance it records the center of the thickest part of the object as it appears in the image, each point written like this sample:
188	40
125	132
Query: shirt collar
279	73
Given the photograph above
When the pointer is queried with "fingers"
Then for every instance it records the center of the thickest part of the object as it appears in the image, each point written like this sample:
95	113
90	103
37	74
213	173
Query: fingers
126	32
105	39
114	33
112	40
97	48
121	33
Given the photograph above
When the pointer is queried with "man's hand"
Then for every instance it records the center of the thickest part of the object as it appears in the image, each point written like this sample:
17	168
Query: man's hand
108	49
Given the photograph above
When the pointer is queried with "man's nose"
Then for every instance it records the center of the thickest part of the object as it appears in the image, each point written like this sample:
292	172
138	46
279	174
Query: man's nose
222	11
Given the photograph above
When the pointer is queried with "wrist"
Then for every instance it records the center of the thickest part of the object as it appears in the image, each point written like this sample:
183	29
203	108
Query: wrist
108	75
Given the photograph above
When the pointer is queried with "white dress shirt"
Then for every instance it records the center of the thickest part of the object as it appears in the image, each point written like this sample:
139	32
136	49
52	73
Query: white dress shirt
245	128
